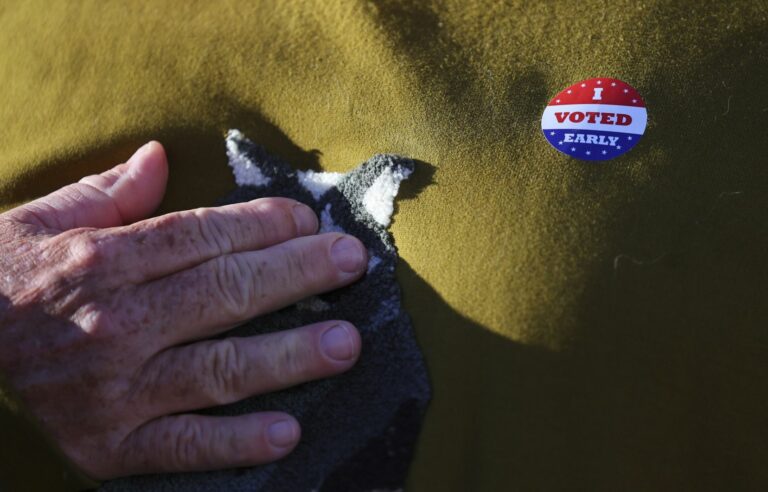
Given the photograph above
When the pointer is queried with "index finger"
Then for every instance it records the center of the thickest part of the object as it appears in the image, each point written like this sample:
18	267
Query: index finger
170	243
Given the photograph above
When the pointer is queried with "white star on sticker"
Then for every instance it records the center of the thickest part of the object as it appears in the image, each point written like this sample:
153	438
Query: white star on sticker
589	153
573	149
599	82
551	133
557	101
629	138
613	84
605	152
569	91
626	90
618	147
634	100
560	142
583	85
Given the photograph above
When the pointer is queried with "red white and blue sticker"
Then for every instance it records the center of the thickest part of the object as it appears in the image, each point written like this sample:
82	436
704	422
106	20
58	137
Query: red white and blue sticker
595	119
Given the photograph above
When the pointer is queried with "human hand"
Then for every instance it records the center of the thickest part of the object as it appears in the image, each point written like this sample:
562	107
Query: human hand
101	313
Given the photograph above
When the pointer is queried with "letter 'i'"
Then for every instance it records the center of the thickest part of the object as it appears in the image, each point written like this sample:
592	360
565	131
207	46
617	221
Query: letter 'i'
598	94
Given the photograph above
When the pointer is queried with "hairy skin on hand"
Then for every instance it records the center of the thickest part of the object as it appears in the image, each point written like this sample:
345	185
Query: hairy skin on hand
102	313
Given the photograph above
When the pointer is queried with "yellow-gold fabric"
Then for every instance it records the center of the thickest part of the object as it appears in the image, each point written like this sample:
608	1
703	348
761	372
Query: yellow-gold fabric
587	326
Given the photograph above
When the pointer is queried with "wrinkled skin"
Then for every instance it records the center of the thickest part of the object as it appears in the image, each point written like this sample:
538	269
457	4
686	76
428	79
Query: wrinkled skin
102	313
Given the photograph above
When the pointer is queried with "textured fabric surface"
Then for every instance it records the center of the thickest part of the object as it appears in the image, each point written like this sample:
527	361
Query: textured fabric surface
586	326
358	429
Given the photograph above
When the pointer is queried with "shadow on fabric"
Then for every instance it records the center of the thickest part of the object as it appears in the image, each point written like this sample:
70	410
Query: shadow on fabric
663	383
675	318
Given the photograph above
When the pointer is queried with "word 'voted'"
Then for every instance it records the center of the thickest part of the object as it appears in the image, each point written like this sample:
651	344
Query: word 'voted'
593	117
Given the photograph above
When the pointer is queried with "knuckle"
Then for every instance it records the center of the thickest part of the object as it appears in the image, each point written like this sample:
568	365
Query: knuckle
96	320
164	222
187	443
300	267
290	359
86	252
225	365
210	230
235	283
273	220
114	390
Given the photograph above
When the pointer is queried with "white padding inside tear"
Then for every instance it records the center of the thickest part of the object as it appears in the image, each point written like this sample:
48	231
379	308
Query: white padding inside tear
318	183
245	171
379	199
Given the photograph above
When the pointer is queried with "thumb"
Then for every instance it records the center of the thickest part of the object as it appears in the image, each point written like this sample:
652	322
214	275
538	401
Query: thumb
124	194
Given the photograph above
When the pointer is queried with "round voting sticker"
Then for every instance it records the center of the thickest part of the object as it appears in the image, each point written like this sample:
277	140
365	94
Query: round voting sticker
595	119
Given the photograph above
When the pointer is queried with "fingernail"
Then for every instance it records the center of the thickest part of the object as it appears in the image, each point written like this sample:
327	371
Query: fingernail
337	343
306	220
348	255
282	433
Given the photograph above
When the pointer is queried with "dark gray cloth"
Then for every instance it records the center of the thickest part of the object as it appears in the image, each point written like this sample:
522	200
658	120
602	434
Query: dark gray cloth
359	428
